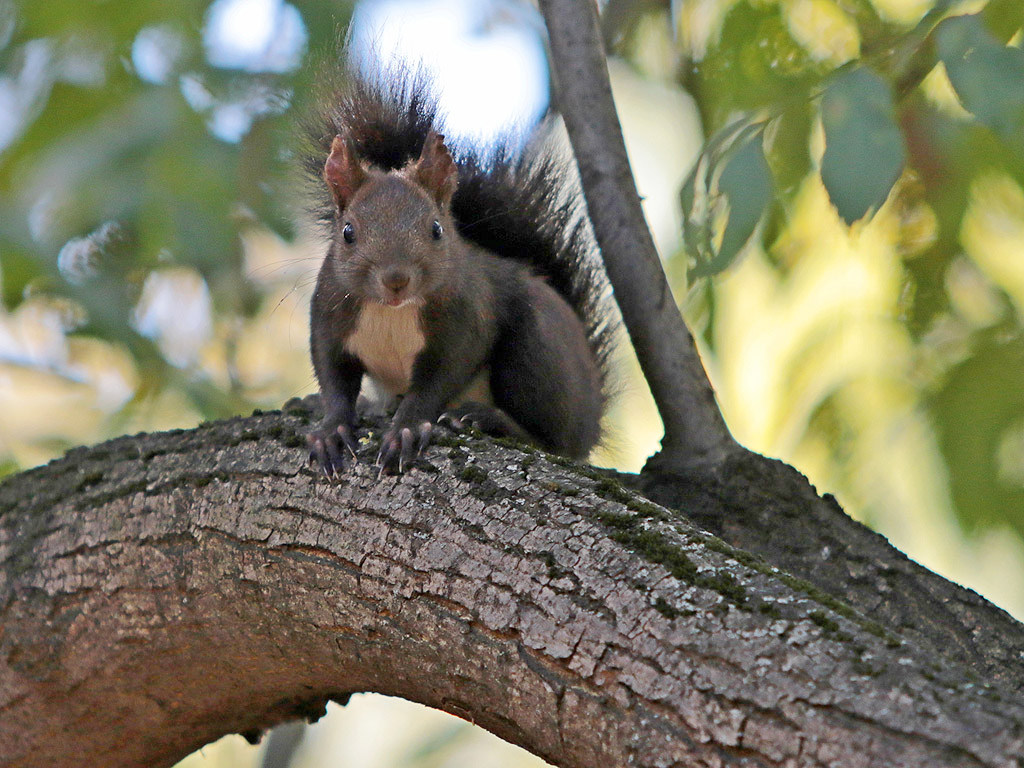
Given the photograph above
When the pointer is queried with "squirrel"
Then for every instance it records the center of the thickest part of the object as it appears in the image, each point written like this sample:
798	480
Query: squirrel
442	270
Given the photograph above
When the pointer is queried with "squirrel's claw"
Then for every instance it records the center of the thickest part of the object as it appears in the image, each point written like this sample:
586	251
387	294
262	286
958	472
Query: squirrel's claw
484	418
401	446
472	415
348	440
321	455
325	448
426	431
453	422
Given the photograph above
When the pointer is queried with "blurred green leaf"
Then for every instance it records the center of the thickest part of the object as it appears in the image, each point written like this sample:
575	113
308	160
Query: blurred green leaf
987	76
96	170
946	155
788	147
696	195
55	17
753	63
98	146
19	268
731	179
746	182
963	373
864	152
1003	18
978	405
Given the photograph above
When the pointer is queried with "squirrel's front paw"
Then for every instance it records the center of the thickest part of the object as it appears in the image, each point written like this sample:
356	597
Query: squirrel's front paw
326	447
402	445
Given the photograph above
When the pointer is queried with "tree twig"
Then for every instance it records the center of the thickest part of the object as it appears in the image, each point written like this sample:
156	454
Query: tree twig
695	432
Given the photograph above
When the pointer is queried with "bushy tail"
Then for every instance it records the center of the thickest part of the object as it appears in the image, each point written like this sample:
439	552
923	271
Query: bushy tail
521	205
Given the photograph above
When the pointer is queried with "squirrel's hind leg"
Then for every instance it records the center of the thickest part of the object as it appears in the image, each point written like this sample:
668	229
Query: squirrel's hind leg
544	374
489	419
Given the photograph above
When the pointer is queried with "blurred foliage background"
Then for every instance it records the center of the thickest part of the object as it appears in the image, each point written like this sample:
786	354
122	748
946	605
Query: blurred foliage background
836	188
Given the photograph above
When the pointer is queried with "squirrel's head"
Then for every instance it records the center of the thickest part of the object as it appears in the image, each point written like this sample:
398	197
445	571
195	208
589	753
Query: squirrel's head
393	231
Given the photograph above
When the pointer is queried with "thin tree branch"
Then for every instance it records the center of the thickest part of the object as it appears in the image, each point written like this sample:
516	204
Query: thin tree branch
695	432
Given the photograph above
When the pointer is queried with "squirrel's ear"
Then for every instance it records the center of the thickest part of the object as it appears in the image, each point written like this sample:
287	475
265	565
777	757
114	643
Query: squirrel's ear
343	172
435	170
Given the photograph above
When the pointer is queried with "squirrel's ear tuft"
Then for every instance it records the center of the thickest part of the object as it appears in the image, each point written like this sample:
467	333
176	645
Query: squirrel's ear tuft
435	170
343	172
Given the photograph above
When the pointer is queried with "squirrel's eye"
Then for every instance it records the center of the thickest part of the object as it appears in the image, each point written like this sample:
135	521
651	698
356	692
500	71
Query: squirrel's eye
349	233
437	230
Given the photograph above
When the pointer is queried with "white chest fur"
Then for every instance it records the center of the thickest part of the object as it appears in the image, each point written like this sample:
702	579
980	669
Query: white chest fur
386	340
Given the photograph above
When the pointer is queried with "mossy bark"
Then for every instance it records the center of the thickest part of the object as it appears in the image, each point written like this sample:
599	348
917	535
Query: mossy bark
161	590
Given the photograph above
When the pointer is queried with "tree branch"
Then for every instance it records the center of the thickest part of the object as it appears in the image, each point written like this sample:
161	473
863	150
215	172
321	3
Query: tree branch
695	432
781	517
767	508
159	591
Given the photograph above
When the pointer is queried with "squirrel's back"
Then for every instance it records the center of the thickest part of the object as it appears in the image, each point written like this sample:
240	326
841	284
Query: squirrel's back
516	205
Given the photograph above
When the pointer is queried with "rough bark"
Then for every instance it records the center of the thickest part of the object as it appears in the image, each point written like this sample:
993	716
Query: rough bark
161	590
754	503
767	508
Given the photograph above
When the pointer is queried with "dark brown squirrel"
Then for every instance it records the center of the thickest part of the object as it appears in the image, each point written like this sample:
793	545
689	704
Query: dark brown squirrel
442	272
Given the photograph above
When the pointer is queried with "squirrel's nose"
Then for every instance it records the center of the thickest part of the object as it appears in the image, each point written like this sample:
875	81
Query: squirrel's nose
395	280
